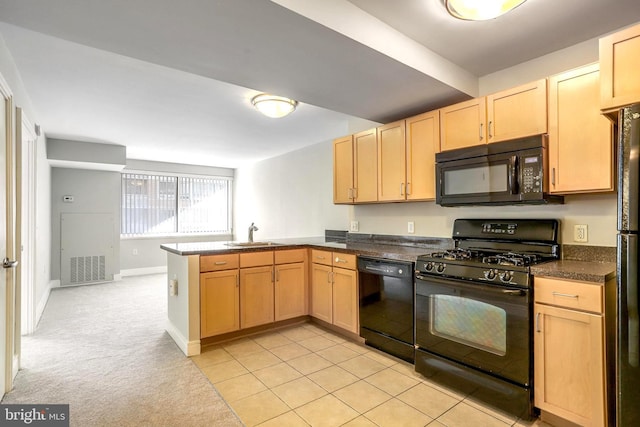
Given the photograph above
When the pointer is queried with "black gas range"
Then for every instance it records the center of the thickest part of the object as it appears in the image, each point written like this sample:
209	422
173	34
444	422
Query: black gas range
496	252
474	309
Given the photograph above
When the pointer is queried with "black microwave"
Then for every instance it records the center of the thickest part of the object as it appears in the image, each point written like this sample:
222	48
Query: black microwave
500	173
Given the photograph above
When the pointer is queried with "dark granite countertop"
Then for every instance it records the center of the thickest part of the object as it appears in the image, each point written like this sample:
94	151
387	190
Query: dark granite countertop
584	271
369	245
583	263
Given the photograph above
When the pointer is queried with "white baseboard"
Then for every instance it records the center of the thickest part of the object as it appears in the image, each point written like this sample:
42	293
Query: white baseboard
40	306
189	348
143	271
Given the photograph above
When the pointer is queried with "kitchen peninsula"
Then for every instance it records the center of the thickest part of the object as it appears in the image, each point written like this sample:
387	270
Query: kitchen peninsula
185	266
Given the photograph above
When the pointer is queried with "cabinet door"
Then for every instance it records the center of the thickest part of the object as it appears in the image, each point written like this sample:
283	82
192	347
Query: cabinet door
321	292
219	303
392	162
619	65
423	142
517	112
343	170
463	124
365	169
290	291
580	138
256	296
568	357
345	299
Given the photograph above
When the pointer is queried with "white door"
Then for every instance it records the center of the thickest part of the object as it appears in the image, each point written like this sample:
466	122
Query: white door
7	254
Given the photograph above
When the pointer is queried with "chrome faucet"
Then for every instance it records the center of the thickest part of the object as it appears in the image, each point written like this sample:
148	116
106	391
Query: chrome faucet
252	228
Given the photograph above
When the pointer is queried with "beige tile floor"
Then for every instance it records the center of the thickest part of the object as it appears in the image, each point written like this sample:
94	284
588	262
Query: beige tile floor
305	375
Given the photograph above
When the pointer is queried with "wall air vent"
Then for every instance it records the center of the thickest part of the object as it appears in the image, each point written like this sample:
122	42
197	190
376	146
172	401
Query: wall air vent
86	269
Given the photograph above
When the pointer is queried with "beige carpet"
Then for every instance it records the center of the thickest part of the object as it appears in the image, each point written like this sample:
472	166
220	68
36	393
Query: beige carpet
103	350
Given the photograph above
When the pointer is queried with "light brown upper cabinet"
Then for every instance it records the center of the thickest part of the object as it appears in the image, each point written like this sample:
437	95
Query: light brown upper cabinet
355	168
513	113
517	112
343	191
619	65
463	124
423	142
580	138
392	163
365	166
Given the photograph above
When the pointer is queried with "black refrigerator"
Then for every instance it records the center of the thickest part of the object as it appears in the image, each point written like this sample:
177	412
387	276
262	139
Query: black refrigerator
627	330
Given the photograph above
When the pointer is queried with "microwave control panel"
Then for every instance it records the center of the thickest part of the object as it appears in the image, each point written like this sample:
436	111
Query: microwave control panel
532	173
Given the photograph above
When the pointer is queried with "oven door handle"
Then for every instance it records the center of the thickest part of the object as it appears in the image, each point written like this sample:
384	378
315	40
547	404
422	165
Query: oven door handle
461	284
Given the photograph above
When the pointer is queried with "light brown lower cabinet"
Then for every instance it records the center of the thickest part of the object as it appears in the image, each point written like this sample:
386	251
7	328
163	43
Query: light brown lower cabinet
569	350
334	289
290	291
219	302
239	291
256	296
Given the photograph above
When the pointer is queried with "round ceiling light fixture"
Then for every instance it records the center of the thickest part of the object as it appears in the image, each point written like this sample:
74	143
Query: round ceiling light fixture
274	106
480	10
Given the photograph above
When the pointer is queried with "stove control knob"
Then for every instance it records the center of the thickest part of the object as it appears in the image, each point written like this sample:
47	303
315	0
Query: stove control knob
428	266
440	267
490	274
506	276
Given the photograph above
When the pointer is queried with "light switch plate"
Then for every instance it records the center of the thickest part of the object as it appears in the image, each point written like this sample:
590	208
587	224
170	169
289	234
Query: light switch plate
354	226
410	227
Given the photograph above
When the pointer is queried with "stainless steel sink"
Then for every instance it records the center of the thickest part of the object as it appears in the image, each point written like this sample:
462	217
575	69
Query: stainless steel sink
251	244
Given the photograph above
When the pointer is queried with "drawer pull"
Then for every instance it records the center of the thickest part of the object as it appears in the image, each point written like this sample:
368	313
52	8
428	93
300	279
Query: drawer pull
319	257
341	260
220	262
559	294
538	322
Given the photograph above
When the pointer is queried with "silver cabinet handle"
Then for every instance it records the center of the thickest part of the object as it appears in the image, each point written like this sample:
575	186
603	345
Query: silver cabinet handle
408	188
319	257
402	188
553	176
220	262
7	263
559	294
481	136
489	129
341	260
538	322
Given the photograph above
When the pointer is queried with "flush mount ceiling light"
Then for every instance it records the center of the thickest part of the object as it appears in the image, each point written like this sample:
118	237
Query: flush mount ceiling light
273	106
480	10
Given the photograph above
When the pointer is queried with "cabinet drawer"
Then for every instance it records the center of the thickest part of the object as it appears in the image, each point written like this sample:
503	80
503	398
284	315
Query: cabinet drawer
321	257
569	294
255	259
344	260
289	256
218	262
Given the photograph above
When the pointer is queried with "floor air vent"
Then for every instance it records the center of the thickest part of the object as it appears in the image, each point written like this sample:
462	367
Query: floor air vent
85	269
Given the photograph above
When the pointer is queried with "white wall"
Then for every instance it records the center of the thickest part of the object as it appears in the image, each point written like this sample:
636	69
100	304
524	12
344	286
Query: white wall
289	196
43	190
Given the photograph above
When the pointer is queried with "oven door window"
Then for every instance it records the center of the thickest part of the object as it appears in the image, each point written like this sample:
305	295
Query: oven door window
470	322
484	326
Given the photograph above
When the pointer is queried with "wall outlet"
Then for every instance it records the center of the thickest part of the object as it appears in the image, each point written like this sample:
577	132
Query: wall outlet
354	226
173	287
410	227
580	233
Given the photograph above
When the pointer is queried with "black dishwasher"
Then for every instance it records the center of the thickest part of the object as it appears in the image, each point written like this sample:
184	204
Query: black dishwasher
386	305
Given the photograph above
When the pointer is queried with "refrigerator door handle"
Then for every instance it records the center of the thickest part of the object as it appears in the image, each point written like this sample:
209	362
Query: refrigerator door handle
632	302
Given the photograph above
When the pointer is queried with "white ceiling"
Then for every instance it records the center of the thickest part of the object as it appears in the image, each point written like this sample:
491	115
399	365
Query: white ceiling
172	80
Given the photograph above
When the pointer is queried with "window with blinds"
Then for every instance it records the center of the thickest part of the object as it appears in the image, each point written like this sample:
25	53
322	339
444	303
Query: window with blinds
163	205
